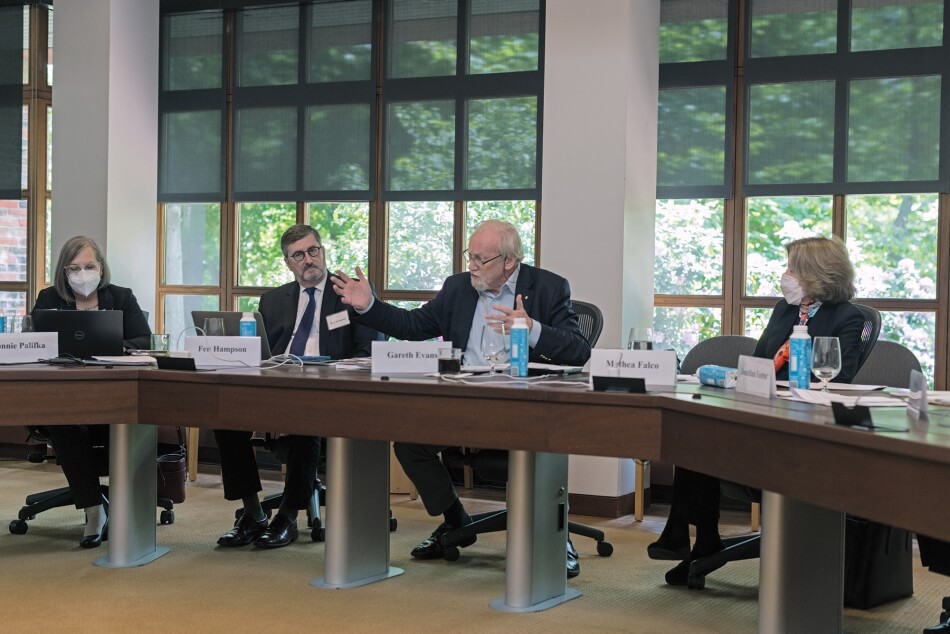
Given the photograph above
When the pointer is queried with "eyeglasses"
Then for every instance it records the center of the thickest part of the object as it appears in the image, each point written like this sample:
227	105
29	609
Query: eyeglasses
477	259
312	252
76	268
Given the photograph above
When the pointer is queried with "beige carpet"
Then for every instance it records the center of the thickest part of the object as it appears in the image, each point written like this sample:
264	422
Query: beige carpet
49	584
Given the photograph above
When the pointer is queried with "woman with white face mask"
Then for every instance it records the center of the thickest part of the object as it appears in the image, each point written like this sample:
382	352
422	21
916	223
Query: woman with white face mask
817	289
81	281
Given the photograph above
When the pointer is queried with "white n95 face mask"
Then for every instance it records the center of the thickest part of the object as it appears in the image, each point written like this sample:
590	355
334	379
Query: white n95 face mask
791	289
84	282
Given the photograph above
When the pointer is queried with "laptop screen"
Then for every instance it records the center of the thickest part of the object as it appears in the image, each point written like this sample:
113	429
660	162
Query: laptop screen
232	325
83	333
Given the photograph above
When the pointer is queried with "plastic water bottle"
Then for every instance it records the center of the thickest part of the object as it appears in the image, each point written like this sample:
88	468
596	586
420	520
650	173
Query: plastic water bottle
248	325
519	348
799	358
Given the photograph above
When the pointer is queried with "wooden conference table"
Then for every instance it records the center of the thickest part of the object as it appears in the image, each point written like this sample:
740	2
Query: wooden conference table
812	471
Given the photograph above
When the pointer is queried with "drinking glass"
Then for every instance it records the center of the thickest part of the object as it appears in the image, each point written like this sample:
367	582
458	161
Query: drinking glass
214	327
159	342
640	339
826	359
494	346
26	323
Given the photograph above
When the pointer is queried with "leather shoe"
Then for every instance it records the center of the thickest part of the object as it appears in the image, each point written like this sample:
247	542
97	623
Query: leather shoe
93	541
432	547
281	532
573	565
246	529
672	550
678	576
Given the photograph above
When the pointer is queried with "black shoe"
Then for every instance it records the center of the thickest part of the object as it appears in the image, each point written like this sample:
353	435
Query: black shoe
93	541
246	529
432	548
669	550
281	532
678	576
573	565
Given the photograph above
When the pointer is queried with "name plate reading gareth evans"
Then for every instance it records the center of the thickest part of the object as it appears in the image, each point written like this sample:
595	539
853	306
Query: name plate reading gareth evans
756	376
655	367
26	347
407	357
225	352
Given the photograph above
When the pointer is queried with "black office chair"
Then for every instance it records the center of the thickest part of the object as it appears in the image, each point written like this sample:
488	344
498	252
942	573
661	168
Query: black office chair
494	464
723	350
749	546
37	503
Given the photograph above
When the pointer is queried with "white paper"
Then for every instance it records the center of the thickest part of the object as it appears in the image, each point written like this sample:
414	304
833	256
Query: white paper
827	398
838	387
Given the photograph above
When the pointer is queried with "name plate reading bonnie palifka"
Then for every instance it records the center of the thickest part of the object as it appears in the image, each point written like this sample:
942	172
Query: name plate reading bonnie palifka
225	352
407	357
28	347
655	367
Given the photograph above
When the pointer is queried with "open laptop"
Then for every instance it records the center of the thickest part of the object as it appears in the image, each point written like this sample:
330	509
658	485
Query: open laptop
83	333
232	325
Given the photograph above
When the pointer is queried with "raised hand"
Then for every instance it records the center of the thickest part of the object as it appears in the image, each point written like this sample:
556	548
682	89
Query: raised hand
353	292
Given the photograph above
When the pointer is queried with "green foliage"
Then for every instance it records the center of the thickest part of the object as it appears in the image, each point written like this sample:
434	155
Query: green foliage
420	245
893	26
794	33
521	213
260	260
892	240
693	118
344	231
694	40
690	267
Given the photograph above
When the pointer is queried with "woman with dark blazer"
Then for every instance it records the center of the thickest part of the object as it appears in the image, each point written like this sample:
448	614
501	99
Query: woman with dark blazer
817	289
81	281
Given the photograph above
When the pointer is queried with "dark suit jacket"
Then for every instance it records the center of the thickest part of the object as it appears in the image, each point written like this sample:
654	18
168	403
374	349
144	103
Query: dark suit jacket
844	321
546	297
135	330
278	309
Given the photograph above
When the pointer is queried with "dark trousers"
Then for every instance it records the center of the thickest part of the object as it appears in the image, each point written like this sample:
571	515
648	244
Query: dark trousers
695	501
83	453
423	466
240	476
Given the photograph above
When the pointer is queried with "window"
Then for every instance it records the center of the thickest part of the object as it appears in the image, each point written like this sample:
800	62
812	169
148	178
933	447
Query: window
834	135
25	116
391	126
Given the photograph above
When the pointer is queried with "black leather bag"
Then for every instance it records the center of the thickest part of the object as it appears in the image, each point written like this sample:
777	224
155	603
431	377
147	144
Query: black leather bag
878	563
172	473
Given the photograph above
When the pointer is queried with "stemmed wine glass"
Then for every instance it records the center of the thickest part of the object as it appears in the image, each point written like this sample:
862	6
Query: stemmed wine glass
494	345
826	359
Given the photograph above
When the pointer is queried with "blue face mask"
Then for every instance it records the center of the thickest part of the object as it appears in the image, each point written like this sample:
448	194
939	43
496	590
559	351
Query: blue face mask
791	289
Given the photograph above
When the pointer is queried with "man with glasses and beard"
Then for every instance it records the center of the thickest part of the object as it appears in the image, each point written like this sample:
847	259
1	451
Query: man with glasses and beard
298	320
497	289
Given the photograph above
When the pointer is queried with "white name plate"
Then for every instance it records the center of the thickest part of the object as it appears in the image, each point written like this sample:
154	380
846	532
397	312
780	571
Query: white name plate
407	357
26	347
655	367
756	376
225	352
917	397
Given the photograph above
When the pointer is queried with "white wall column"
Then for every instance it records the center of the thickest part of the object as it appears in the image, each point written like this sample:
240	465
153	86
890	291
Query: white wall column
599	173
105	134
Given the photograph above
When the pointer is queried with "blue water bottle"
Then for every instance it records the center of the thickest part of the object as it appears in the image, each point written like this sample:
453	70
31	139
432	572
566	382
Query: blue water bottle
519	348
248	327
799	358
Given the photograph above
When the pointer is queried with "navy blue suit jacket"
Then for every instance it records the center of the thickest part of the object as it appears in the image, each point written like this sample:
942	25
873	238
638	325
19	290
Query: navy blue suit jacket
278	309
546	297
843	320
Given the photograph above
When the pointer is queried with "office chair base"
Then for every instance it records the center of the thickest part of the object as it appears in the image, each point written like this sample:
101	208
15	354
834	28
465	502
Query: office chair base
495	521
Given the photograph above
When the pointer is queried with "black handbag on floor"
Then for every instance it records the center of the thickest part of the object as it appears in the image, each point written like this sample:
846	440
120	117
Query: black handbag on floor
878	563
172	472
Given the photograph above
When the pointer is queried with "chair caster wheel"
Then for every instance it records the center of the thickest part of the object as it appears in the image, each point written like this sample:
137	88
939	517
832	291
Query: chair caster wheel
605	549
451	553
167	517
18	527
696	582
318	534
